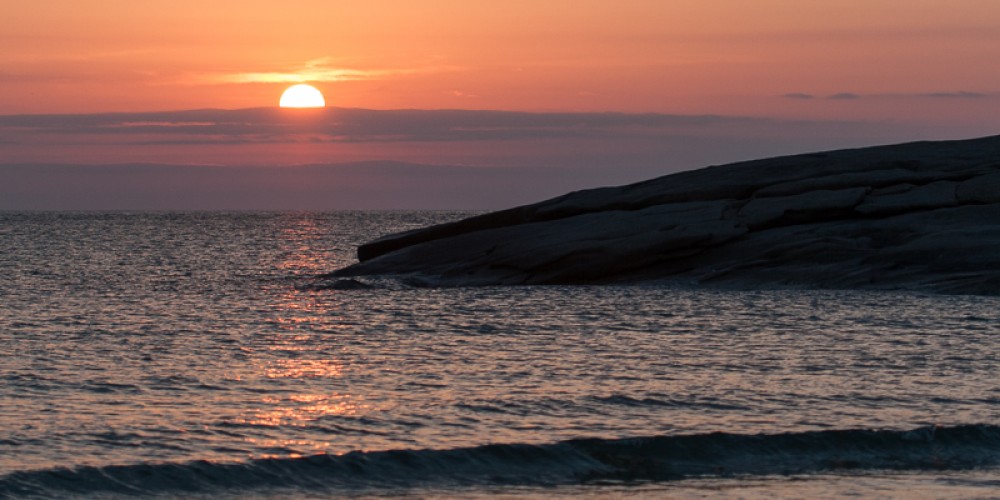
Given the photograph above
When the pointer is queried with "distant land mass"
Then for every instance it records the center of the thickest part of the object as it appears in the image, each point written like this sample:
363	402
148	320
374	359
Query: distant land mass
917	216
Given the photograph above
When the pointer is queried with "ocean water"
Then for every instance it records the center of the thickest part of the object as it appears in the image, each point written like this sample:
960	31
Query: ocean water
193	355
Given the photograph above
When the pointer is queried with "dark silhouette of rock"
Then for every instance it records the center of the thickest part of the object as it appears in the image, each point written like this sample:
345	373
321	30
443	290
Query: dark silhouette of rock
923	216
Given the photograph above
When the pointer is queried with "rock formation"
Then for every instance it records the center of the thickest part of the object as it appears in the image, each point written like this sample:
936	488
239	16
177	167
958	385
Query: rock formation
922	216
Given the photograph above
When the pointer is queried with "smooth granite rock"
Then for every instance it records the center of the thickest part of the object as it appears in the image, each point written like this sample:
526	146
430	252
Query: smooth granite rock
921	216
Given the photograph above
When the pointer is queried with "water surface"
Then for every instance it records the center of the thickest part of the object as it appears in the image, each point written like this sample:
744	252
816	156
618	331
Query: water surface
186	352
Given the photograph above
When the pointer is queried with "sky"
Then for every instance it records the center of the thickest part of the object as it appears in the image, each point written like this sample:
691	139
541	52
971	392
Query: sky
472	104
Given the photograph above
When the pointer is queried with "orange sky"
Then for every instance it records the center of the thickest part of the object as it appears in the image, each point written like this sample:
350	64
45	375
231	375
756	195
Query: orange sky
688	83
673	56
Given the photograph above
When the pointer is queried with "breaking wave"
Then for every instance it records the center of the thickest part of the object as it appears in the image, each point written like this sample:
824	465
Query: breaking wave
578	461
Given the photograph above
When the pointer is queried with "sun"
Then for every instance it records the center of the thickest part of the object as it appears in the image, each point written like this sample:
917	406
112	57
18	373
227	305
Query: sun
302	96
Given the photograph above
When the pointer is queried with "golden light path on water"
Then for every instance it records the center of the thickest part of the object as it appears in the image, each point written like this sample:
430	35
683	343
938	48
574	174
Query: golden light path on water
291	355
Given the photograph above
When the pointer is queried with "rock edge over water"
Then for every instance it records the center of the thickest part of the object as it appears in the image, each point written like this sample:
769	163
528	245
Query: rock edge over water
920	216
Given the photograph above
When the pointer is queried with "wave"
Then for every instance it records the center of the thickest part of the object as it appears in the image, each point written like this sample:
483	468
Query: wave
578	461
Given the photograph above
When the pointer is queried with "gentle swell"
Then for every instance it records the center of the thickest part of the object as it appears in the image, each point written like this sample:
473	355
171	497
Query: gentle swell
659	458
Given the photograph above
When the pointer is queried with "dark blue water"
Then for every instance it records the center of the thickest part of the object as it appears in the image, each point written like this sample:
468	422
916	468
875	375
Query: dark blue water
189	354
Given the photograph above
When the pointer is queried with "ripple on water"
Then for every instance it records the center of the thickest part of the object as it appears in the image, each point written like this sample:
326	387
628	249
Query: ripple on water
172	337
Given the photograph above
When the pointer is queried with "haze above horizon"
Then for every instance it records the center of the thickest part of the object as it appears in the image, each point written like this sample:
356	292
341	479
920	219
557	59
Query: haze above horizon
475	87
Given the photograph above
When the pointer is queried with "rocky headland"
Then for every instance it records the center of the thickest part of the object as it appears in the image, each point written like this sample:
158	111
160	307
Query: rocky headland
916	216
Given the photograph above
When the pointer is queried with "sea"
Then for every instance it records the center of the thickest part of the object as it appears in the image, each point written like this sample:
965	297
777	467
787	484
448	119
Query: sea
198	355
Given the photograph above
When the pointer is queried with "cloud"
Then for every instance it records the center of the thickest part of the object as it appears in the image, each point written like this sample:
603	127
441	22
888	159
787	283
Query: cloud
305	75
924	95
309	159
319	70
956	95
349	125
798	95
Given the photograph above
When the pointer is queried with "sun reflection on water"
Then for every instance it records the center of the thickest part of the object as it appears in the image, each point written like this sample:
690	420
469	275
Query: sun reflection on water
305	246
296	359
303	368
302	409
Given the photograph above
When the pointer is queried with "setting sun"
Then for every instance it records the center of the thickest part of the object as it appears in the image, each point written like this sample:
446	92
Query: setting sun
302	96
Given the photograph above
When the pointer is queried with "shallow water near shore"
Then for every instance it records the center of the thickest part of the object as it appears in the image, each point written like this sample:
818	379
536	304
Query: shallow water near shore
185	354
